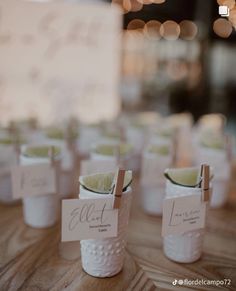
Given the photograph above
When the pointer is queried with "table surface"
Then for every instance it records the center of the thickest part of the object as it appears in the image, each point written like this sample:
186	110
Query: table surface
34	260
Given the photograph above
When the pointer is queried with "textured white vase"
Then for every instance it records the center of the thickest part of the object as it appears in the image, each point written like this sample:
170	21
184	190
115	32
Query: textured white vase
186	247
153	186
39	211
105	257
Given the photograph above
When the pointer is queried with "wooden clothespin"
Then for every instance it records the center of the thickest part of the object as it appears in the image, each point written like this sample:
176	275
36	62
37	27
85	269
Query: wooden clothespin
205	185
54	164
122	133
51	154
175	147
229	147
117	188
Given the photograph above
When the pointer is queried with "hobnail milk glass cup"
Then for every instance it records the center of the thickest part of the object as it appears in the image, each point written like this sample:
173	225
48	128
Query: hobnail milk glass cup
39	211
105	257
186	247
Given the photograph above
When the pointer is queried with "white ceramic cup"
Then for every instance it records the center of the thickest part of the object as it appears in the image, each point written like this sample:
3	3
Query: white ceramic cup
39	211
153	186
127	161
7	160
186	247
105	257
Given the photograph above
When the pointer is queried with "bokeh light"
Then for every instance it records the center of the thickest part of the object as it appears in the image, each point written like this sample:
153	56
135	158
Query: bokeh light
136	24
152	29
222	27
229	3
188	29
170	30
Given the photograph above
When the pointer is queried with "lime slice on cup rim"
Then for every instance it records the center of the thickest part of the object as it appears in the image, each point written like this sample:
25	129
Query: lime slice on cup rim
40	151
186	177
102	183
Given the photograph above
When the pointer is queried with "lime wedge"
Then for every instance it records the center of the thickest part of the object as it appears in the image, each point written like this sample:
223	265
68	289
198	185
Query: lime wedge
214	143
12	140
188	177
40	151
55	133
102	183
185	177
6	141
111	149
159	150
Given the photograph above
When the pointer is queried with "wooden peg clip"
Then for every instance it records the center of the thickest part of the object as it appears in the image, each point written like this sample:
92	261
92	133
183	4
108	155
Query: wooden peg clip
117	188
229	147
206	182
175	147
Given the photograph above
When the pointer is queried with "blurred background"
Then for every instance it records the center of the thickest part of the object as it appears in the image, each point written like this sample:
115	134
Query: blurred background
179	56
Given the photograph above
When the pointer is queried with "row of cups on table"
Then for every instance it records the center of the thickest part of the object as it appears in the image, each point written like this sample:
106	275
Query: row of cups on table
104	258
164	147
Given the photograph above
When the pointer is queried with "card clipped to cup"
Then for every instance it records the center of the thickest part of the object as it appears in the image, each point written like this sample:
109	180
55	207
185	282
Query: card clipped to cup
88	219
33	180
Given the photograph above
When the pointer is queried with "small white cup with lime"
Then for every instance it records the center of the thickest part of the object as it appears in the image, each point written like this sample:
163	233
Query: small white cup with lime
110	151
105	257
40	211
58	137
185	247
155	159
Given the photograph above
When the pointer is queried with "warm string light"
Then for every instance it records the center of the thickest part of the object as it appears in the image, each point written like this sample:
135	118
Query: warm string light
223	27
169	30
135	5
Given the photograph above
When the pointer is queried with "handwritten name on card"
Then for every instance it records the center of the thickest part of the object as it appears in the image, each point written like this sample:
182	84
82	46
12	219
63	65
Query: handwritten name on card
88	219
33	180
181	214
89	167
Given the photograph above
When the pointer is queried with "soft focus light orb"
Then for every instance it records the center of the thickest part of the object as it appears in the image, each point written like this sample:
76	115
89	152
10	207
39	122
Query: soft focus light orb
145	2
188	29
222	27
229	3
135	5
158	1
152	29
170	30
136	24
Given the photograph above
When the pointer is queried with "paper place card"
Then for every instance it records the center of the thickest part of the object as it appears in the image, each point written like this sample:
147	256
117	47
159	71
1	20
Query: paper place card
182	214
33	180
88	219
94	166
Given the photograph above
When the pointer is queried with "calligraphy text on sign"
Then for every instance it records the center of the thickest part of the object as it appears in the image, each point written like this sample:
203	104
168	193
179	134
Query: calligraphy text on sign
88	219
33	180
181	214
